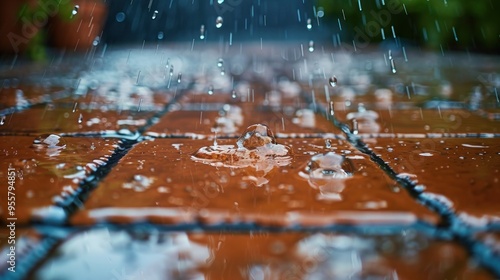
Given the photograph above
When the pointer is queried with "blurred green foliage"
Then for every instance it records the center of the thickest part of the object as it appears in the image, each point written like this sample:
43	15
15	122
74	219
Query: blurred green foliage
446	24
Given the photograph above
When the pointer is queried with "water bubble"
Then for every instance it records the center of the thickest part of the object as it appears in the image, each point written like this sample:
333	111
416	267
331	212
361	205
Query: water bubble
80	119
155	13
255	136
326	173
210	90
309	24
311	46
333	81
120	17
96	41
220	1
202	32
218	22
321	12
160	35
329	165
75	11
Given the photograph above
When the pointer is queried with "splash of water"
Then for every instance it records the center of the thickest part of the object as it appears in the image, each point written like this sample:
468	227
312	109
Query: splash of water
256	148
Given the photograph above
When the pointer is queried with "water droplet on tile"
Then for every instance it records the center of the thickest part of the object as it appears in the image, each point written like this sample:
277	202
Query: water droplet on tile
138	183
326	173
330	166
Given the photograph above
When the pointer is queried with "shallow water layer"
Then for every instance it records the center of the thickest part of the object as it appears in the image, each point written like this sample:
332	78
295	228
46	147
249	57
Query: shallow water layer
160	137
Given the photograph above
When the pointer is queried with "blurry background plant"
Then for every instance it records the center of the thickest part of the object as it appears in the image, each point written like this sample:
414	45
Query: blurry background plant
436	24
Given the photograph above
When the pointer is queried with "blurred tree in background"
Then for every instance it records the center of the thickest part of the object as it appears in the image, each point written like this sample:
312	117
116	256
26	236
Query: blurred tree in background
436	24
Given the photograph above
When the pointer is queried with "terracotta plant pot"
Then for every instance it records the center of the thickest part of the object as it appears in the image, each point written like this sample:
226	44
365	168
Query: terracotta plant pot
17	32
78	32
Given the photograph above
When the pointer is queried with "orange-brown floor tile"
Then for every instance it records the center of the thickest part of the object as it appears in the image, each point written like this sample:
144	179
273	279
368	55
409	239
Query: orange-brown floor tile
416	121
231	120
158	181
466	172
60	118
44	175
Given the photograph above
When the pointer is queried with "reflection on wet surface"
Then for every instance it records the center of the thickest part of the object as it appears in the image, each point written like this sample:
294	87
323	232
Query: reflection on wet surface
296	139
405	254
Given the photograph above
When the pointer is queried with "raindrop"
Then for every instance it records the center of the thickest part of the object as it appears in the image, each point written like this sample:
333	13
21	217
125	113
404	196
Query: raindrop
218	22
333	81
210	90
309	24
155	13
220	62
355	126
222	71
332	109
391	60
160	35
179	77
80	119
171	73
96	41
75	11
393	66
220	1
328	143
202	32
120	17
311	46
2	120
233	94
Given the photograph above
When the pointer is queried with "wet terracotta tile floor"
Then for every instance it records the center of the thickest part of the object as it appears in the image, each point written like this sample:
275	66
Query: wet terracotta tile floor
264	171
